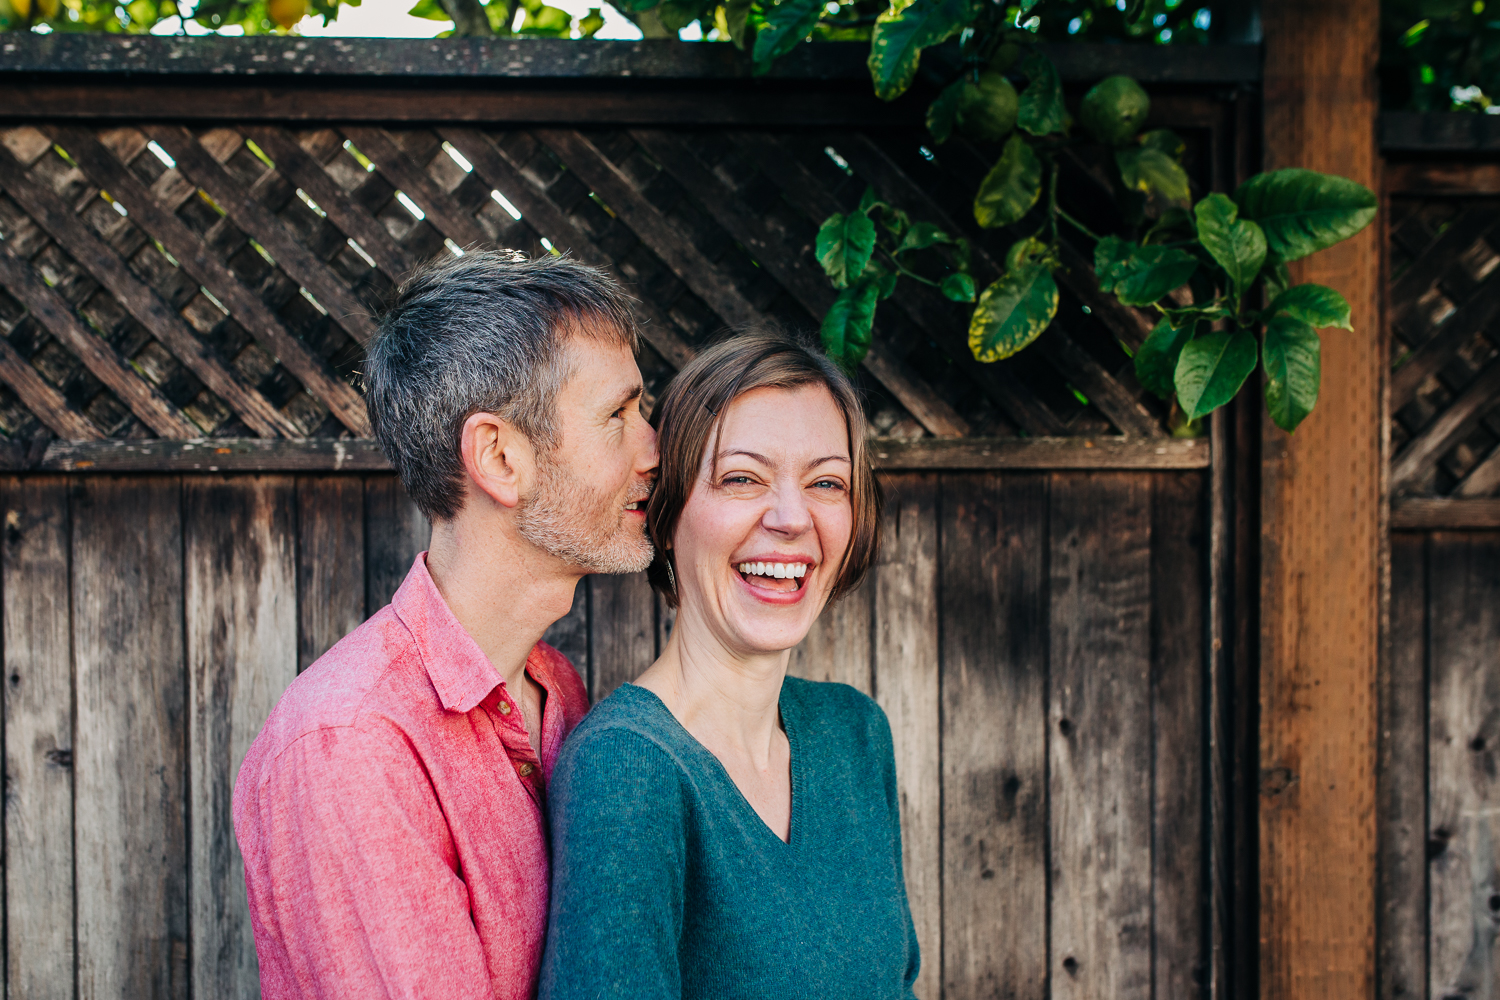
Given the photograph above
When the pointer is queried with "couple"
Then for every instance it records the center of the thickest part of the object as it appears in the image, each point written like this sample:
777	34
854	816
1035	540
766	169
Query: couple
713	830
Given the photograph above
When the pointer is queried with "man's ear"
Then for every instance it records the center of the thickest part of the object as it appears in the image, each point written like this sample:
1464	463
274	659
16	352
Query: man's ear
498	458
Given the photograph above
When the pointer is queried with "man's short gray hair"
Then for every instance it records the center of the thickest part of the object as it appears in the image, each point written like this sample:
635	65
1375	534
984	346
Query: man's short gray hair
481	333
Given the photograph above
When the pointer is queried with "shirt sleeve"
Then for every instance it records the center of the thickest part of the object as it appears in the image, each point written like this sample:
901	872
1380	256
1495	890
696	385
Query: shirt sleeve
352	876
619	853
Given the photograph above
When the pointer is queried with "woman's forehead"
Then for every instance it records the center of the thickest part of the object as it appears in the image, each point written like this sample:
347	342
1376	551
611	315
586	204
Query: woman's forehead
777	425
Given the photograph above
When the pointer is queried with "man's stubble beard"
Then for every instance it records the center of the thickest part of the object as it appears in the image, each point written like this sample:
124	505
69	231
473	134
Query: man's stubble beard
564	517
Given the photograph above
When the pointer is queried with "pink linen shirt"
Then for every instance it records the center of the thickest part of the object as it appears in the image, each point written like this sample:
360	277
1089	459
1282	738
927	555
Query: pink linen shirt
391	815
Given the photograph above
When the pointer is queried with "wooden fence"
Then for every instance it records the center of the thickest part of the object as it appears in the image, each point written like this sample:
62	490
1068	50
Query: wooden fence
195	510
1440	687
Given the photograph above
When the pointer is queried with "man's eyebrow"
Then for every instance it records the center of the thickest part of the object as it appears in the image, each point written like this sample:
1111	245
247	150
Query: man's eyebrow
633	393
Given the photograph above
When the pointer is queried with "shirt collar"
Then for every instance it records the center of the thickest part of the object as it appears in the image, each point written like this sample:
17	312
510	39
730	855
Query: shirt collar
459	670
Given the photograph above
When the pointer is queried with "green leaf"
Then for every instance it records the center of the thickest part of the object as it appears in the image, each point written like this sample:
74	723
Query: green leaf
1137	275
900	36
590	23
959	287
785	25
1278	278
1303	211
847	326
737	19
1011	187
1294	369
1042	110
432	10
678	14
1315	305
1013	312
942	114
1164	140
1211	370
546	22
845	244
1155	174
922	235
1238	245
1156	361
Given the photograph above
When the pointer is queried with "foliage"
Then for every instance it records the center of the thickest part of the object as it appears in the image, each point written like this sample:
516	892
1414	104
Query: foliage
1203	266
1440	55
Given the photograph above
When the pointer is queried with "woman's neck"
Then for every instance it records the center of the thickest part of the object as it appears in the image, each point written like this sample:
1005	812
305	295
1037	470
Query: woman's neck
727	700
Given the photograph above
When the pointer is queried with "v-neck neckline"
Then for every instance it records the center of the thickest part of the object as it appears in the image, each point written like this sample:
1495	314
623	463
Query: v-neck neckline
794	826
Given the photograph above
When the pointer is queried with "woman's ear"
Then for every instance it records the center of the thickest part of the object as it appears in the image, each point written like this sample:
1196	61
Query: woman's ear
498	458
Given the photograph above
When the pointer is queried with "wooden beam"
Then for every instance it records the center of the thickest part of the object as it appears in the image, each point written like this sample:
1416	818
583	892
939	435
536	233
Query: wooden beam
50	406
1322	529
1445	514
364	455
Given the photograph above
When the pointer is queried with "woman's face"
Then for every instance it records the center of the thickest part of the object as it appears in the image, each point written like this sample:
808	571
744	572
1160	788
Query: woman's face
763	534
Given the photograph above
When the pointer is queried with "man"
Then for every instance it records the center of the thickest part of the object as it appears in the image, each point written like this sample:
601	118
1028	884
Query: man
391	813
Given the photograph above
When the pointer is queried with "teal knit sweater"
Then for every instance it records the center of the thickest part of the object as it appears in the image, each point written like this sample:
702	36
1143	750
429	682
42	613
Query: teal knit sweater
667	884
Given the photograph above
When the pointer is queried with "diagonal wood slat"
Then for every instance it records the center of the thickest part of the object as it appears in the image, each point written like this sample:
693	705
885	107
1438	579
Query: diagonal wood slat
496	168
50	406
196	259
144	304
412	179
790	267
144	400
205	171
1482	395
654	229
934	314
296	164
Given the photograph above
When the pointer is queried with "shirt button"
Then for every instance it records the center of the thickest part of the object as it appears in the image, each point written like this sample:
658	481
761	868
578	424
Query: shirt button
505	708
526	770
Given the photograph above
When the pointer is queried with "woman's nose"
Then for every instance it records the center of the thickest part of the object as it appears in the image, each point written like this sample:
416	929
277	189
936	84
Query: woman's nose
788	514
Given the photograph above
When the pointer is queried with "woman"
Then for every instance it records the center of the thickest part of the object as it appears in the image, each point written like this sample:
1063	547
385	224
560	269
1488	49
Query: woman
720	830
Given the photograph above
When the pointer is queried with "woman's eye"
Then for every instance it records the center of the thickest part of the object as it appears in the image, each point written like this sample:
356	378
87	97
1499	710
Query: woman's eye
737	481
828	484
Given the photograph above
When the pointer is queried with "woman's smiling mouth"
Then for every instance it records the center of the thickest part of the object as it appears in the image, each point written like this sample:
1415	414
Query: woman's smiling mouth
776	576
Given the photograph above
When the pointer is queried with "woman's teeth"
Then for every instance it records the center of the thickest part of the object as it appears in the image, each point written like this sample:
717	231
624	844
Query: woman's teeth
781	571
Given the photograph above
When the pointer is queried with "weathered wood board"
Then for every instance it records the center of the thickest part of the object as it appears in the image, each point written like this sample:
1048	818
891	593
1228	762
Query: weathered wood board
1036	640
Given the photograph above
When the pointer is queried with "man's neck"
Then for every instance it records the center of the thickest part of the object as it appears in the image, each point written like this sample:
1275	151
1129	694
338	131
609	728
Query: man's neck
504	591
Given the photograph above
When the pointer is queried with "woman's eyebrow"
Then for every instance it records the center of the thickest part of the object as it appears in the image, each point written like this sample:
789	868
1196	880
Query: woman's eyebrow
763	460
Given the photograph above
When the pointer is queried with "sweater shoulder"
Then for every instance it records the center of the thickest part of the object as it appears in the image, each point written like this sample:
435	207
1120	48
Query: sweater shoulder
837	710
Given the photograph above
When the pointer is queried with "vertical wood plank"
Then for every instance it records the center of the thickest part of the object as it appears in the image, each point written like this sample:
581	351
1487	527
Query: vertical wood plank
569	635
1322	530
906	685
38	739
1099	735
395	531
130	824
1463	761
1401	894
241	610
622	628
1179	592
994	661
837	647
330	562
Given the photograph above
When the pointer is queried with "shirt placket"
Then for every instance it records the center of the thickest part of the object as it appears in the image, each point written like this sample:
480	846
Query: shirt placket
510	724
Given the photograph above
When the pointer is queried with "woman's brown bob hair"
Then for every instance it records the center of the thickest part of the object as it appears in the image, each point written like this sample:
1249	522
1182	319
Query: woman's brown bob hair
689	413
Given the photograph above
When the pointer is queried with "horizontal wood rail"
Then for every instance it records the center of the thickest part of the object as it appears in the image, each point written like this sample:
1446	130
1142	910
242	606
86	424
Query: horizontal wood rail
363	455
1445	514
513	60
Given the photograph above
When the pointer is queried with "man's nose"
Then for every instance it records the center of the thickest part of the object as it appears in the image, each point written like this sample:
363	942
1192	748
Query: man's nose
649	457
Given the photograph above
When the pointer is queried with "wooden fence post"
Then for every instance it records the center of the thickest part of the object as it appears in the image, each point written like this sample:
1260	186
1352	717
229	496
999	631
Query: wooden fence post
1322	530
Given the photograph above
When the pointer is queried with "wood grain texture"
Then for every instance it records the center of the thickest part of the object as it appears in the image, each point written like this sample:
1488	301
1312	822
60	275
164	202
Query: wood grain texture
1179	732
1444	513
622	631
837	647
1321	505
37	395
1401	892
38	739
395	532
1099	736
1463	747
130	764
241	615
907	688
994	629
330	562
84	245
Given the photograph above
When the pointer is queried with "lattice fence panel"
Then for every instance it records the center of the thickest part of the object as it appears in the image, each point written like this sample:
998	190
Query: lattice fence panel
1445	316
223	282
